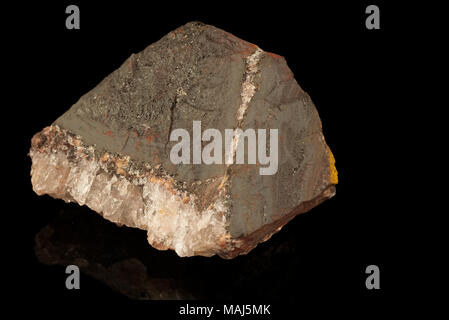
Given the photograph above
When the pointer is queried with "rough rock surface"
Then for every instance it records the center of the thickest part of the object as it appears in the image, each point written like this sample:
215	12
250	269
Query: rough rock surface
111	150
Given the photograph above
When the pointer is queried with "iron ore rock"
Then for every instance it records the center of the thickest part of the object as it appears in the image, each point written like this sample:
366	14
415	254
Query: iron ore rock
111	149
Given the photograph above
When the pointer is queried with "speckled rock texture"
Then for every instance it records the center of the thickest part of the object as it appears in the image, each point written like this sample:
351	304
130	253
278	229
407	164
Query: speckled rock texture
111	150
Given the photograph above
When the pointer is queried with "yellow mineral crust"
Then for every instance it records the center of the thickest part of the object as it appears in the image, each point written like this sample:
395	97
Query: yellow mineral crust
333	176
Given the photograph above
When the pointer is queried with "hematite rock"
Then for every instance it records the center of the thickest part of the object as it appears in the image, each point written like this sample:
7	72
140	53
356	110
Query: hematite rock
111	150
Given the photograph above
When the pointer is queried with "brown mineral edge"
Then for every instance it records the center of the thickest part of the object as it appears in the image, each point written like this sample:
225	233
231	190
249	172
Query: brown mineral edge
110	151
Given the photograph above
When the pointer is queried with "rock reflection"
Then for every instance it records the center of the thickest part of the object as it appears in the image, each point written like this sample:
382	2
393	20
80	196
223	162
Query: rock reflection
122	259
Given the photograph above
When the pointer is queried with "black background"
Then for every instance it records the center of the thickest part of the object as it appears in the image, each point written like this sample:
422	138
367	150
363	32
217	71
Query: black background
353	76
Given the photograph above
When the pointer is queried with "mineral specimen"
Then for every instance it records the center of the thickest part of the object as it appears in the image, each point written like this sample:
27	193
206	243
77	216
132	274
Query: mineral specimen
111	150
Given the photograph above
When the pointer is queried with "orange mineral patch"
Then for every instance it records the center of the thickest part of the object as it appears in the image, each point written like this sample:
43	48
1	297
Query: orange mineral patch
333	171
